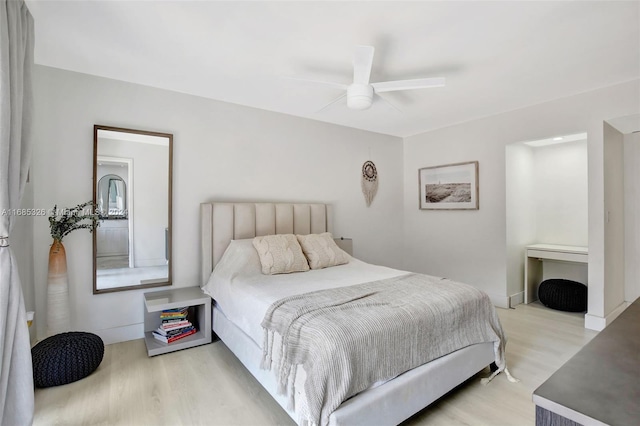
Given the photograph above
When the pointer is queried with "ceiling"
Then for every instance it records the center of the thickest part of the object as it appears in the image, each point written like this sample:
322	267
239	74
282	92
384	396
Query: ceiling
496	56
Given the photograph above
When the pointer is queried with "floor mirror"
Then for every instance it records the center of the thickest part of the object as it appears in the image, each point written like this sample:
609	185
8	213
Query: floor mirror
132	176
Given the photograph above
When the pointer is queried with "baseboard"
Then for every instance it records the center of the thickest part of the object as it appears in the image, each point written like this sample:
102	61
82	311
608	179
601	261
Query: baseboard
516	299
594	322
121	334
500	301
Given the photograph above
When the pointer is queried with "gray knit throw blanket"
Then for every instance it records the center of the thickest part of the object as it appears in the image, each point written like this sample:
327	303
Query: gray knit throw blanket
348	338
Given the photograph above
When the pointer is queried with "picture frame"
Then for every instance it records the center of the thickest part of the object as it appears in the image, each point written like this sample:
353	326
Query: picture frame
449	187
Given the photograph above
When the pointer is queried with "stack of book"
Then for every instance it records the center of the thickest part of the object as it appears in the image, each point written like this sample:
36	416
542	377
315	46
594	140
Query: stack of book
175	325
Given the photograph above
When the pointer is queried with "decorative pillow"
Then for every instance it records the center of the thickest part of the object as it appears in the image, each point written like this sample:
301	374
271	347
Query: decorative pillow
239	261
241	255
280	254
321	251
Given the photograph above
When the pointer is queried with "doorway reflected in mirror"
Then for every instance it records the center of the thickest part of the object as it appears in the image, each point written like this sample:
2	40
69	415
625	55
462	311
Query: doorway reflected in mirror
112	189
132	246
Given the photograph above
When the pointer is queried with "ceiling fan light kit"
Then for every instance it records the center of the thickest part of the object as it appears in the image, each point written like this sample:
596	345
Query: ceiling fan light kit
360	94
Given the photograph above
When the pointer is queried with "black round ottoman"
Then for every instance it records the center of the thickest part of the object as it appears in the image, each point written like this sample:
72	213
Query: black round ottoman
563	295
65	358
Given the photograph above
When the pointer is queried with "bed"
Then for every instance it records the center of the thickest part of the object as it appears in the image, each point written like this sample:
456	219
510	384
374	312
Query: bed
236	316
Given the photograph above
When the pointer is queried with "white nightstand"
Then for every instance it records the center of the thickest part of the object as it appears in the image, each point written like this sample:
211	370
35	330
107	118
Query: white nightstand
156	301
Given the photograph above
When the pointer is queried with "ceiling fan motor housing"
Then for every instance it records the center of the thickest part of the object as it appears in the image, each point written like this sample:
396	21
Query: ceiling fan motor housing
359	96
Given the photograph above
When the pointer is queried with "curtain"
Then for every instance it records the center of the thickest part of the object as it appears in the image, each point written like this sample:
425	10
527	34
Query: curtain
16	60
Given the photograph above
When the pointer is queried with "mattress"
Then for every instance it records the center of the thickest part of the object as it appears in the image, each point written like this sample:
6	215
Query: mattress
244	294
387	403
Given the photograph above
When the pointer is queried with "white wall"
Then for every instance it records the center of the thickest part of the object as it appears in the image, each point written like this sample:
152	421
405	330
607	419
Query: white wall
226	151
632	216
614	218
221	151
111	169
470	246
561	193
463	245
567	270
520	213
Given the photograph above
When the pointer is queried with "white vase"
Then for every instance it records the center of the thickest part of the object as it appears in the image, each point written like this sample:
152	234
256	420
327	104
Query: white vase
58	320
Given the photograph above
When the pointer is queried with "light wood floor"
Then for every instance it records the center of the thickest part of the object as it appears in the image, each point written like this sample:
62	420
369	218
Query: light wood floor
207	385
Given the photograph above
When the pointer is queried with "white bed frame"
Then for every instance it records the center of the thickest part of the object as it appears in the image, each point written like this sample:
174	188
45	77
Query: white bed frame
387	404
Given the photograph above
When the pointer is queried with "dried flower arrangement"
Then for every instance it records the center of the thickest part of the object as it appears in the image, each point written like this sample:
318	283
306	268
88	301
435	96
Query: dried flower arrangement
64	221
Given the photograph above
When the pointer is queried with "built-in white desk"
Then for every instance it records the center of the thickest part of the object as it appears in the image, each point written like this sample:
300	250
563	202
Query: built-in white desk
533	268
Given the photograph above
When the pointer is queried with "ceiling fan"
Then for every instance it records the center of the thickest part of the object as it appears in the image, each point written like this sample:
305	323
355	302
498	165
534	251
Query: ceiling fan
361	92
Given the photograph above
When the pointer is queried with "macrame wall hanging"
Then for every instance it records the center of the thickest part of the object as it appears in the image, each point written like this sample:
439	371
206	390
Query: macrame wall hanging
369	181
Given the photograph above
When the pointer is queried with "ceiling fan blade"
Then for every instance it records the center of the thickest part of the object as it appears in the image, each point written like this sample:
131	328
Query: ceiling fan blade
418	83
340	86
362	63
332	102
385	100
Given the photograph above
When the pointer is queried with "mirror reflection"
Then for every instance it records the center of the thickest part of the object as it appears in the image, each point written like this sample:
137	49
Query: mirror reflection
132	194
112	194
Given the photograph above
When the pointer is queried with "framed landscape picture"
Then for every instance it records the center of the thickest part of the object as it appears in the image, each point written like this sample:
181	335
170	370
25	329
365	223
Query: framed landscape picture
449	187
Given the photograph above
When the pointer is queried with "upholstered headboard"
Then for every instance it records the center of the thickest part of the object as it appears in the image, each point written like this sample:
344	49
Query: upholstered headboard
222	222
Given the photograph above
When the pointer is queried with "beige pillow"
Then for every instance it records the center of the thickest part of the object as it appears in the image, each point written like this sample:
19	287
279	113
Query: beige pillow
280	254
321	251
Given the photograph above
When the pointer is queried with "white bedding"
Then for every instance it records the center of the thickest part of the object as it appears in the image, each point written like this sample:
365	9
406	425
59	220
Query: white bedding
389	403
244	294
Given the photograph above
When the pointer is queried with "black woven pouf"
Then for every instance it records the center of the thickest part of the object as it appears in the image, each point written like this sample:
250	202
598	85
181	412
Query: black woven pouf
563	295
65	358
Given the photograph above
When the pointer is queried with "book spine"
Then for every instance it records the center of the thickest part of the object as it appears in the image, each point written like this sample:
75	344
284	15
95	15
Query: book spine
170	312
173	333
180	336
175	326
172	317
165	333
174	338
172	320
